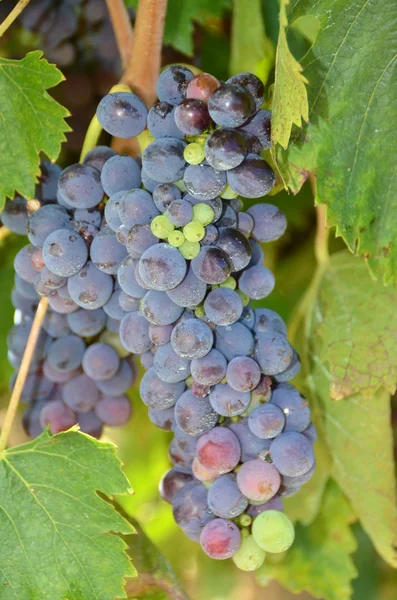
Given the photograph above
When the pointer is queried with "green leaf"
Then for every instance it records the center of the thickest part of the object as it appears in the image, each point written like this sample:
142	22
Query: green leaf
179	23
289	103
349	141
356	329
319	561
31	122
155	577
57	534
251	50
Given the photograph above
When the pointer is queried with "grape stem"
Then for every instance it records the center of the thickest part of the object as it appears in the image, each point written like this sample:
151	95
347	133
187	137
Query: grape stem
143	67
14	14
23	372
122	28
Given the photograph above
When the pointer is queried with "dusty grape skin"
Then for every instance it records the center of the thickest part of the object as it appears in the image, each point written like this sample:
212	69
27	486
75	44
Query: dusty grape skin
291	371
292	454
192	339
266	421
160	334
127	278
80	186
57	416
120	173
134	333
225	499
90	288
161	121
252	83
257	282
228	402
159	309
162	267
114	411
202	86
44	221
190	508
100	361
258	480
120	382
163	160
274	503
192	117
86	323
243	374
140	238
223	306
236	246
15	215
158	394
210	369
203	182
122	114
253	178
251	445
268	320
220	539
173	481
269	222
225	149
273	352
80	394
135	207
172	84
189	292
169	366
106	251
234	340
218	450
182	450
66	354
212	265
294	406
164	194
231	105
163	419
98	156
89	423
194	415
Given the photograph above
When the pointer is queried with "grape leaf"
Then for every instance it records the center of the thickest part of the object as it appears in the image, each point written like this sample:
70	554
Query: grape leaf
58	535
289	103
349	141
251	50
319	561
31	122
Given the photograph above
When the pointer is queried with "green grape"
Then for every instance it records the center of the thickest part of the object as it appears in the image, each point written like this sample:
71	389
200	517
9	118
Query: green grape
189	381
249	556
245	520
181	185
227	193
176	238
203	213
194	154
193	231
189	250
273	531
229	283
199	312
161	227
244	298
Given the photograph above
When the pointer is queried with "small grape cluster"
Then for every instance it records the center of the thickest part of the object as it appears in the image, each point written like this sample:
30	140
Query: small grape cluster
217	370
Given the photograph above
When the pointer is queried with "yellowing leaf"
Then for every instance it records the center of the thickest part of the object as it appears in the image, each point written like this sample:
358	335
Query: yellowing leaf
289	104
30	122
57	534
319	561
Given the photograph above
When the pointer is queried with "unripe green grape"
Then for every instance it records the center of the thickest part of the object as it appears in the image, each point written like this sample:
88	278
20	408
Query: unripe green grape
227	193
161	227
194	154
273	531
203	213
229	283
244	298
176	238
180	184
199	312
189	250
249	556
193	231
245	520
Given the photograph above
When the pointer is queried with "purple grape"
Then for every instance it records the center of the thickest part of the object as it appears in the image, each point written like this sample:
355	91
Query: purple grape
269	222
122	114
194	415
182	450
225	499
61	305
291	371
36	387
107	252
55	325
120	382
203	182
134	333
211	236
212	265
292	454
57	376
171	482
258	480
120	173
127	303
228	402
172	84
90	424
273	352
223	306
243	374
159	309
126	277
112	307
310	433
66	354
192	116
248	317
161	121
25	288
252	83
218	450
163	419
147	359
256	282
90	288
294	407
98	156
140	238
190	292
259	125
112	215
245	223
180	212
23	265
299	480
80	186
15	215
27	306
251	445
57	416
253	178
210	369
114	411
190	508
44	221
64	252
257	257
80	394
267	320
266	421
163	160
192	339
164	194
51	281
234	340
231	105
274	503
169	366
86	323
100	361
158	394
220	539
225	149
236	246
162	267
160	334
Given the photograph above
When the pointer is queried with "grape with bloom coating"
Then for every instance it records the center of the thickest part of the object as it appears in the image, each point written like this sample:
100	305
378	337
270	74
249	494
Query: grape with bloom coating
122	114
220	539
258	480
218	450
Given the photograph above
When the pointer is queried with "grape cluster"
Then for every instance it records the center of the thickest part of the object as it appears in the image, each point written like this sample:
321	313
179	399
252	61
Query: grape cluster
156	257
79	372
217	370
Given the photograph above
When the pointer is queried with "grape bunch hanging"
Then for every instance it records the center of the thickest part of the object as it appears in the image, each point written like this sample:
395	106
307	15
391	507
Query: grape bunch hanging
156	257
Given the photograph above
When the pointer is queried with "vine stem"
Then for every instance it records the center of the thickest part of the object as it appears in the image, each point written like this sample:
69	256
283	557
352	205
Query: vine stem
122	28
143	68
23	372
14	14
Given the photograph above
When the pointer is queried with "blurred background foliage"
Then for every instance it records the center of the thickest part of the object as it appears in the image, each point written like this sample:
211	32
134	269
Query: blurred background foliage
198	32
